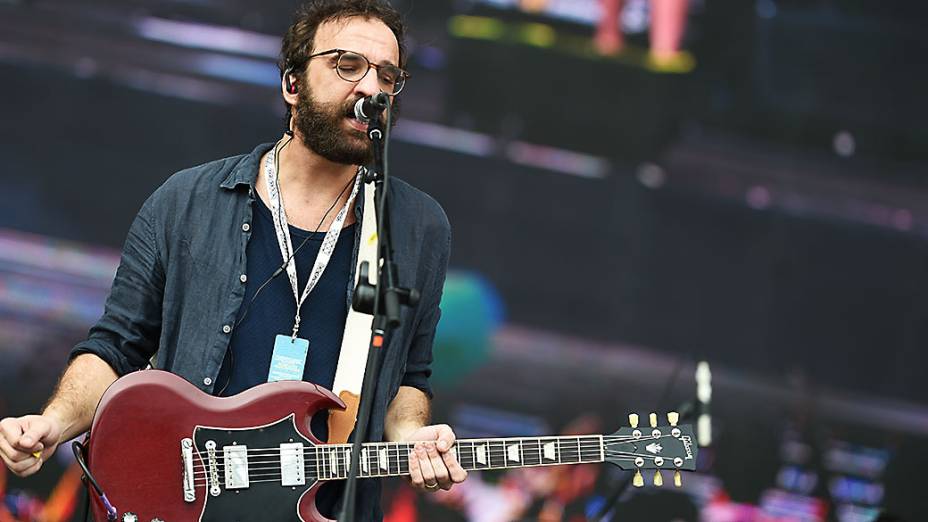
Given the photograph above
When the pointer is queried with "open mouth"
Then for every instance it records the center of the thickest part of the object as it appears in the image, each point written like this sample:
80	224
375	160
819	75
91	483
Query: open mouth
353	121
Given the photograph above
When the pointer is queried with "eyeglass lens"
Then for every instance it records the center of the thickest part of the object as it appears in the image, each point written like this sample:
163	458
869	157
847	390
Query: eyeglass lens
353	67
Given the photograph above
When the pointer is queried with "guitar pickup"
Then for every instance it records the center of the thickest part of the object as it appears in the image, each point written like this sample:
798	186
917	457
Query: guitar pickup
235	458
291	465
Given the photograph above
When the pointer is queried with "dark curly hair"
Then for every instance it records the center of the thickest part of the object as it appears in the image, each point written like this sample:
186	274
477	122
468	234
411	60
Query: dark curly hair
298	42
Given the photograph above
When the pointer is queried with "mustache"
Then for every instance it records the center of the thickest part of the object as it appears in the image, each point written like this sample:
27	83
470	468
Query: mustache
349	108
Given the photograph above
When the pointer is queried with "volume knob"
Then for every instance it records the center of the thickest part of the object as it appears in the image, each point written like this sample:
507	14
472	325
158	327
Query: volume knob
130	517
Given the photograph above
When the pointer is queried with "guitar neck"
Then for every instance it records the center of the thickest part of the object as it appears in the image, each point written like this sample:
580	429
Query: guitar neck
390	459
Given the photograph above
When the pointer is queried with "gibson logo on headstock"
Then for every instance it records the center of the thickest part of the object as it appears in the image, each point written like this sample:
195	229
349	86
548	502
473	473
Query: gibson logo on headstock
687	446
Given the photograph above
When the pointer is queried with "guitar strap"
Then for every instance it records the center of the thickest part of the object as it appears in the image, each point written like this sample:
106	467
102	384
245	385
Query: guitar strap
352	361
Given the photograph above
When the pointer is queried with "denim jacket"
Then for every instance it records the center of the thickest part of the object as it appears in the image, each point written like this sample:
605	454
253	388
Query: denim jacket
179	284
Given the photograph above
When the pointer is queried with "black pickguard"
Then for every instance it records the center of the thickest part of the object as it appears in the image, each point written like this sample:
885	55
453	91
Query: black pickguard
261	500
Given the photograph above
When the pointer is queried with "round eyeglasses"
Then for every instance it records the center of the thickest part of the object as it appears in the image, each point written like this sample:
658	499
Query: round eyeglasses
353	67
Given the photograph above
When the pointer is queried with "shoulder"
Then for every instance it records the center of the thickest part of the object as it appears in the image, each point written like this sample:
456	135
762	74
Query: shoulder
209	176
414	204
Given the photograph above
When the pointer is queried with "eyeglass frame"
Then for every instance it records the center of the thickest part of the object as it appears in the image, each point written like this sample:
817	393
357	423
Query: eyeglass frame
370	65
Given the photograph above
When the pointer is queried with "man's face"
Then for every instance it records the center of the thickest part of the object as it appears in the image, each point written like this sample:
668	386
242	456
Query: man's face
325	103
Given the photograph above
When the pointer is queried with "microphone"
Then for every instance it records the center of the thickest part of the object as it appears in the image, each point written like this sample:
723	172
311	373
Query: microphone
704	397
367	107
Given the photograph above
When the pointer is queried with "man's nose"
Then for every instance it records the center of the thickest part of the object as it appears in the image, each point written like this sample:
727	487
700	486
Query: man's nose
369	85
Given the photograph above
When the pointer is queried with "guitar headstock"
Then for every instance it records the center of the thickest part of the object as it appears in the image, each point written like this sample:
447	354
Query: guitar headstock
672	447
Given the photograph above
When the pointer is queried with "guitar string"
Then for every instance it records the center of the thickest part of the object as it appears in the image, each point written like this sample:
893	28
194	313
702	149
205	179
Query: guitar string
326	468
611	439
339	476
200	481
582	452
407	446
404	447
588	452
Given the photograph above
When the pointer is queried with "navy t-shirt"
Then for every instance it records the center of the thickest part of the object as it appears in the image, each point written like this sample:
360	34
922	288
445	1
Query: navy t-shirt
322	316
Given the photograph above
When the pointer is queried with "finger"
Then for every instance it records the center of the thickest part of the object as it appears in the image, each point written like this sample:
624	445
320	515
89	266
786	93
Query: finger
12	454
457	473
34	435
425	464
11	430
445	437
438	466
26	467
30	469
415	472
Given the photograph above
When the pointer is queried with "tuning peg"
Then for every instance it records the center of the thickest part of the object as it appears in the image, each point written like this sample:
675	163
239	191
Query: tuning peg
633	420
638	481
658	478
677	478
673	418
653	419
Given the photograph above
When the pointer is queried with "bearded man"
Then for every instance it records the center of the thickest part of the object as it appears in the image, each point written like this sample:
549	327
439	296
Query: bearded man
197	285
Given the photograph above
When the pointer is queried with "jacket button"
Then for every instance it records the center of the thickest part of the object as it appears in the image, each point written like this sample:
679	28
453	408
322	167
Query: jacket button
246	227
243	278
207	381
226	329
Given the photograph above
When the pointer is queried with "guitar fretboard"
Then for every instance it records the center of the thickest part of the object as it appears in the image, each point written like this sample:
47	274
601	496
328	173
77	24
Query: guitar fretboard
385	459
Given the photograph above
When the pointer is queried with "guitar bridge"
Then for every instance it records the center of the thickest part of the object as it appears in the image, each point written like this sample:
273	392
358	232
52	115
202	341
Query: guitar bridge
186	455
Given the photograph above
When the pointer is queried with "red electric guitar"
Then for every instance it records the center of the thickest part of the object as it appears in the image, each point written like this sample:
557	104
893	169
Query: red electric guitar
162	450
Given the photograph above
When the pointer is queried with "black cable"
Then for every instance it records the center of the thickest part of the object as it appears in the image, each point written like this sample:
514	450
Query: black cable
78	450
283	266
86	516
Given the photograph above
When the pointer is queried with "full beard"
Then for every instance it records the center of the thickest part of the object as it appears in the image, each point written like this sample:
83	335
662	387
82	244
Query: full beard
322	128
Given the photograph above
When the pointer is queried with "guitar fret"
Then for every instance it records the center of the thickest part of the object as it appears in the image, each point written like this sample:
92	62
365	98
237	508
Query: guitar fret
497	450
513	453
404	458
531	452
549	451
566	450
592	449
392	462
347	461
333	462
325	464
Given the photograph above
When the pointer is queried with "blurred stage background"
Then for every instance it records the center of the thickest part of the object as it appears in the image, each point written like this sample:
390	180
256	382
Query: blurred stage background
633	186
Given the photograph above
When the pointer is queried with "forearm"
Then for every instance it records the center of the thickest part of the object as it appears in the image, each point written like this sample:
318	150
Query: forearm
409	411
79	390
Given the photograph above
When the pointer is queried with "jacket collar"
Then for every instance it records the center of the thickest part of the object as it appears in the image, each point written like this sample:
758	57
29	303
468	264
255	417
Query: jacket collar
245	172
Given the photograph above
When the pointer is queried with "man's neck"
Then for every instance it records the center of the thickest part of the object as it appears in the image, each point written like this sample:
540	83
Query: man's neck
305	172
309	186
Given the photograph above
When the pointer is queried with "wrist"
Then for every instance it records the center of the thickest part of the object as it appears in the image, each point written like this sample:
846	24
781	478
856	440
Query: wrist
402	431
60	421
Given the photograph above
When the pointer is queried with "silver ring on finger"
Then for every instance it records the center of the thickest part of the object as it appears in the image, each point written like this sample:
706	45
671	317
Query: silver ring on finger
431	486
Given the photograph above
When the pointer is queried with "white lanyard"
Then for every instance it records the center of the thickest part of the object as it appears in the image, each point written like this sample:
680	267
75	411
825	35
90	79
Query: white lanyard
286	246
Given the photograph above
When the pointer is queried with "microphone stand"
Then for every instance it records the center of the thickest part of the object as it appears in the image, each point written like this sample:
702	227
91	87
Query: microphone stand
383	300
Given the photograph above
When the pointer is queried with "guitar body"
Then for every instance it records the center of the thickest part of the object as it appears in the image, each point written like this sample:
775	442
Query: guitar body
135	449
161	450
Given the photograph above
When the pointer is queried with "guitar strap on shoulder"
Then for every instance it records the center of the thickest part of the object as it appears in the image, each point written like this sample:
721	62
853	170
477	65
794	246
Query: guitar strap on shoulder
349	375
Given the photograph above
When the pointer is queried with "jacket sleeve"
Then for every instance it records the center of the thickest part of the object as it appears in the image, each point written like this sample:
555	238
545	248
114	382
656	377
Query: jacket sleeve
127	335
419	358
